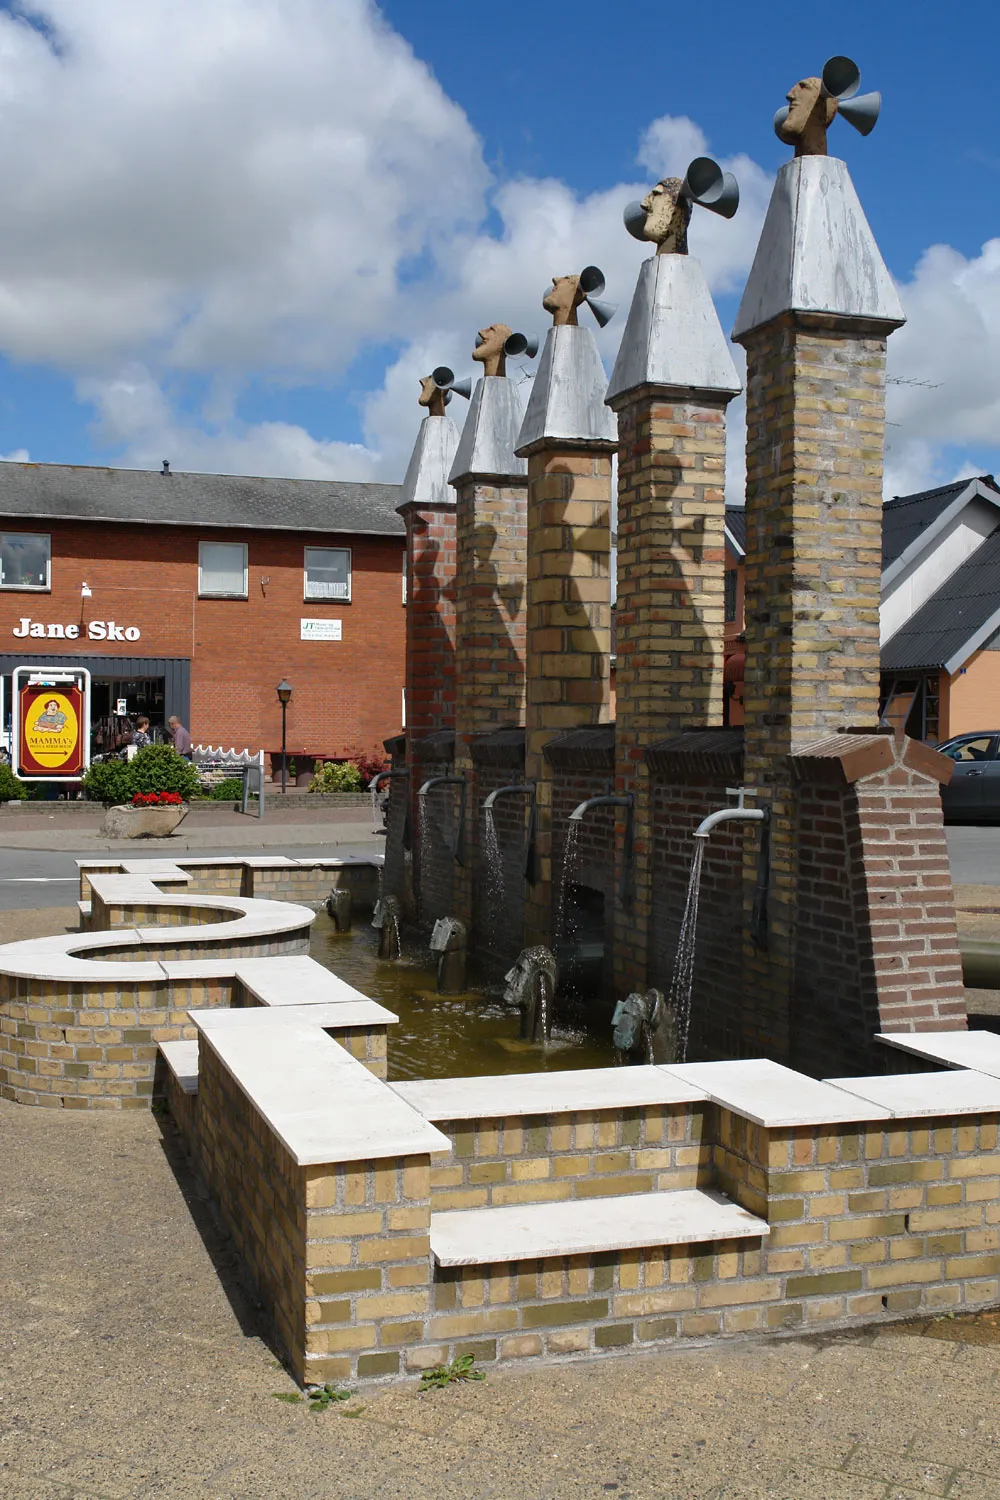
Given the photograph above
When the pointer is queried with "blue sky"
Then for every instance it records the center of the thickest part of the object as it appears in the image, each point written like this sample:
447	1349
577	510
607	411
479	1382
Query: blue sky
239	258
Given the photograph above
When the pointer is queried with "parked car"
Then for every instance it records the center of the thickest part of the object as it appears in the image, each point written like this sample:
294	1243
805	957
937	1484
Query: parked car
973	794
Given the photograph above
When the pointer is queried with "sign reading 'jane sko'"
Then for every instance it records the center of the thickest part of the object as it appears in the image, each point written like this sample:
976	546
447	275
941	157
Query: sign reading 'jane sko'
94	630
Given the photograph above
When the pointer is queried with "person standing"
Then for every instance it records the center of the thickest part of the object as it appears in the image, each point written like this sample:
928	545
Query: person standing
180	737
141	736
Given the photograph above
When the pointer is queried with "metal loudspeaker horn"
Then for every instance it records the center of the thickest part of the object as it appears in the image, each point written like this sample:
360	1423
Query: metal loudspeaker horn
635	220
444	379
520	343
706	183
841	79
591	282
862	111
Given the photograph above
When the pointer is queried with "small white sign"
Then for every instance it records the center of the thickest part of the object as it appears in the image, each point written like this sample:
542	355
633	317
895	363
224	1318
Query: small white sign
120	707
321	630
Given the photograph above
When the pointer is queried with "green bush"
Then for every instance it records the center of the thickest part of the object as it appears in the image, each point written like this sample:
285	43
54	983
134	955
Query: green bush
156	768
337	776
108	781
230	790
11	790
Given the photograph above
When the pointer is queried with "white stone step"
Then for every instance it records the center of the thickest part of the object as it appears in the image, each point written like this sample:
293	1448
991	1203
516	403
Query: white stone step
588	1226
182	1060
909	1095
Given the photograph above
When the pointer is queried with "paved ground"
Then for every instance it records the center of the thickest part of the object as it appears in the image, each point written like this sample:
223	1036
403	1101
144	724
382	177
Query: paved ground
132	1367
47	877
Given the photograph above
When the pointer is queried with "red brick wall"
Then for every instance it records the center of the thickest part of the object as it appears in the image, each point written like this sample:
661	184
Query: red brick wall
347	694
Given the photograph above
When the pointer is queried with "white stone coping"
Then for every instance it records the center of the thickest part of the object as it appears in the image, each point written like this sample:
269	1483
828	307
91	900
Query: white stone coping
320	1102
182	1060
775	1096
588	1226
285	983
502	1095
183	867
908	1095
979	1050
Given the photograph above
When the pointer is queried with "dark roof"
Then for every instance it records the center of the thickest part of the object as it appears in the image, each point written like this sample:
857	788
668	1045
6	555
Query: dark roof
955	620
736	525
904	517
67	492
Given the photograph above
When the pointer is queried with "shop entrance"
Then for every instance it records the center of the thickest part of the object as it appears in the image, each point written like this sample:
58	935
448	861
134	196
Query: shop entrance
155	687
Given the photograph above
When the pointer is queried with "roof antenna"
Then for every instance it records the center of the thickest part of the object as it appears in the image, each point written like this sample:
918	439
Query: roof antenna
166	466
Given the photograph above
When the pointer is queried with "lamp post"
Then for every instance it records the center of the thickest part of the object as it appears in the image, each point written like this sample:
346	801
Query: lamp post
284	691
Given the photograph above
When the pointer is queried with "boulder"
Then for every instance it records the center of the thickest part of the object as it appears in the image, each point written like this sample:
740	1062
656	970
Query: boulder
126	822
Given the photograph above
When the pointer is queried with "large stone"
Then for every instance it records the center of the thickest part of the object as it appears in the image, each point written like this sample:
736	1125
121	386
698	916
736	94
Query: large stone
142	822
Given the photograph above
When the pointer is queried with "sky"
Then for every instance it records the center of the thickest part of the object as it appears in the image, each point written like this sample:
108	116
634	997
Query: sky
235	233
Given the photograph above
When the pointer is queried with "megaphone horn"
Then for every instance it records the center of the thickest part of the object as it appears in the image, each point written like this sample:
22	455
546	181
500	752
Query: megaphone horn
706	183
520	343
591	281
841	77
780	116
603	311
862	111
444	379
635	220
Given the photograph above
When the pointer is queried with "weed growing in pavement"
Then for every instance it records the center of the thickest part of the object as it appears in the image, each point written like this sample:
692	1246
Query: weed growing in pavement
322	1396
459	1369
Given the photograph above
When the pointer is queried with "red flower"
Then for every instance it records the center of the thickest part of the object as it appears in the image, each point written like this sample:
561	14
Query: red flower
157	799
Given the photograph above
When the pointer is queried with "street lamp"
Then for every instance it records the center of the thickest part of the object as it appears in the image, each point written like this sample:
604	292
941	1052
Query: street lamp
284	691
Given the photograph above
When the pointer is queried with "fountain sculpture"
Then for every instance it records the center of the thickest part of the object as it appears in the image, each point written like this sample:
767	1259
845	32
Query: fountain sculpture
531	986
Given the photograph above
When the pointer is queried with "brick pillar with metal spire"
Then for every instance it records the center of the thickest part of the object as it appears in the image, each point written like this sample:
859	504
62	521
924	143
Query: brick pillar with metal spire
491	489
568	436
671	384
855	817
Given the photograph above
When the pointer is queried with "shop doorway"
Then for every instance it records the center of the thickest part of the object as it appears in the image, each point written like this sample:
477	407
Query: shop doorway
116	703
155	687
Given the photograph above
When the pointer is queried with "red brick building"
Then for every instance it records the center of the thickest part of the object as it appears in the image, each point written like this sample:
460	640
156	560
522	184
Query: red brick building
195	594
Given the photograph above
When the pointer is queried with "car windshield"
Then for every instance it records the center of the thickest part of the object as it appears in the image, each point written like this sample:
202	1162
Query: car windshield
977	749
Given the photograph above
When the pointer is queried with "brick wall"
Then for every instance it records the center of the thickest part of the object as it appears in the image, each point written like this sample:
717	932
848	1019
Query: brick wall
430	618
669	615
347	693
569	626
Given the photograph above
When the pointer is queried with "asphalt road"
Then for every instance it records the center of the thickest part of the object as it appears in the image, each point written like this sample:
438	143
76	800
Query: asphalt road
32	878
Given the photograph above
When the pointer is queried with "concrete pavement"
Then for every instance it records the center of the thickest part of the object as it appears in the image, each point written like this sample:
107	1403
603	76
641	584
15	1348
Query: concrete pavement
133	1369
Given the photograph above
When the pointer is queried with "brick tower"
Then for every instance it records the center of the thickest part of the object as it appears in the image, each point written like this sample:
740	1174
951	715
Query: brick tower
672	381
568	436
861	930
491	490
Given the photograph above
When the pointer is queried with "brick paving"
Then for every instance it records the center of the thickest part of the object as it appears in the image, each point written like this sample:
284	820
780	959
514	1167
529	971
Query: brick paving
133	1368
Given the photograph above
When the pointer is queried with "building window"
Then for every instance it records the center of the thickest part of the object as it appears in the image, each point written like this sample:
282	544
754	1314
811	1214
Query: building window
25	560
222	570
328	573
730	595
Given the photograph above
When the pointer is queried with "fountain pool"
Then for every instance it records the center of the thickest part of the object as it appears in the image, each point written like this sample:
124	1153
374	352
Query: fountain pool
446	1036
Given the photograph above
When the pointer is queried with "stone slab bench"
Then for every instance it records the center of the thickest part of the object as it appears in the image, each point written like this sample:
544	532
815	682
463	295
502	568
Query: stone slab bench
499	1097
492	1236
182	1060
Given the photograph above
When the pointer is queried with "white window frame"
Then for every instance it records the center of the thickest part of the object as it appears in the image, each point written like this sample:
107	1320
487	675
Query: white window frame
326	598
204	593
29	588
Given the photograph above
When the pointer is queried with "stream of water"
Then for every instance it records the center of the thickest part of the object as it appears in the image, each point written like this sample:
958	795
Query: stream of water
446	1036
682	982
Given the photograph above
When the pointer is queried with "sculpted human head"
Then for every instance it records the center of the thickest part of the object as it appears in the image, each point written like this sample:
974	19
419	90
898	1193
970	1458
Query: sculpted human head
668	215
432	396
563	300
810	112
489	352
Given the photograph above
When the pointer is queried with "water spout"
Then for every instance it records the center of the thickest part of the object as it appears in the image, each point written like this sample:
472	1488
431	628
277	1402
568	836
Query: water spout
373	785
519	788
457	850
626	799
682	982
